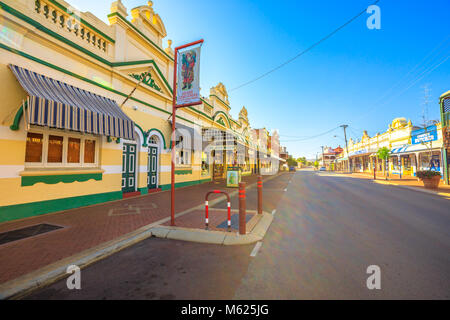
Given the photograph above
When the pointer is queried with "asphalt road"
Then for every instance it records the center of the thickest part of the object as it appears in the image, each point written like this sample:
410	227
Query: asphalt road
327	230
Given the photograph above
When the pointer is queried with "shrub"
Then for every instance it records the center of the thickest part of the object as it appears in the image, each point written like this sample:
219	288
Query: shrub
427	174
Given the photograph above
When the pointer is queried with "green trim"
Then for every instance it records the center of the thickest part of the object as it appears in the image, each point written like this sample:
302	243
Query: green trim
55	35
82	21
183	171
25	210
26	55
64	178
147	79
220	121
162	135
143	190
132	63
138	31
144	134
184	184
19	114
226	104
72	44
226	116
207	104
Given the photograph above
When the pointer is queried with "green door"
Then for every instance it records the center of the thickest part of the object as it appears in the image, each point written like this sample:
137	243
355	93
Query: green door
129	168
152	179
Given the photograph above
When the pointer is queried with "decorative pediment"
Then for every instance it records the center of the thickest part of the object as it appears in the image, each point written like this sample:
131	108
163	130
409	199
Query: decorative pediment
147	79
221	121
398	123
146	16
149	73
221	92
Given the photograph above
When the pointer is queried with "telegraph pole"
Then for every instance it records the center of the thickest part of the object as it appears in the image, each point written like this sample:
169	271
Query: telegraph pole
345	126
323	160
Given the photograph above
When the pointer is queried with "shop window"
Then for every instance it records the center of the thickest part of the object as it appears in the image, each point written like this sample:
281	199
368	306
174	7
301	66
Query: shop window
73	150
33	152
395	163
407	163
89	151
182	154
205	164
49	148
55	149
426	162
183	157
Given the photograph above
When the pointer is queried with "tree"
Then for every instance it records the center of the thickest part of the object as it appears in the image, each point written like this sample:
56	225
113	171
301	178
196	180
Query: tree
383	154
316	164
291	162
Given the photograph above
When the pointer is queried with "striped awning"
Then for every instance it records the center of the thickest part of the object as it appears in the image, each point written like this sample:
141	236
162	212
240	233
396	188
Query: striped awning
56	104
400	149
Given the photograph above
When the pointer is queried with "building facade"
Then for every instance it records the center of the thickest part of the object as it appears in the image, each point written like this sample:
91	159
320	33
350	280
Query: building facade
444	103
412	148
73	136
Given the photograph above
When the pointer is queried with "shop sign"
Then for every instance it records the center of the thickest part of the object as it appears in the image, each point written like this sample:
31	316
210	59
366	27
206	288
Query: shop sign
423	136
233	177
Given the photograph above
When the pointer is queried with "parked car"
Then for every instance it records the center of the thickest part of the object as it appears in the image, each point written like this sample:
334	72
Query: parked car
292	169
322	169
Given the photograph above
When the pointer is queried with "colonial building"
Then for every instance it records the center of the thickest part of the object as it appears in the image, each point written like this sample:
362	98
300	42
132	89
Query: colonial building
70	133
445	120
411	149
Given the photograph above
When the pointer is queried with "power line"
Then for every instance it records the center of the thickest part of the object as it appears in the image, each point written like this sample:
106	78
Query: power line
304	51
429	67
311	137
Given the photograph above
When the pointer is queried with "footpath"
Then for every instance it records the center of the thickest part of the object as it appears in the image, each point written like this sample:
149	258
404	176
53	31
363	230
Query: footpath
91	233
405	182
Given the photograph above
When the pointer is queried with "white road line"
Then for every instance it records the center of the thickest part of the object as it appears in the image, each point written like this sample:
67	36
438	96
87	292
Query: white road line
274	211
256	249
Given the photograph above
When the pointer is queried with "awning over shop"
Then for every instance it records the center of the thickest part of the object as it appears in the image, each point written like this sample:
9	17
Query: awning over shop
56	104
399	149
416	147
362	152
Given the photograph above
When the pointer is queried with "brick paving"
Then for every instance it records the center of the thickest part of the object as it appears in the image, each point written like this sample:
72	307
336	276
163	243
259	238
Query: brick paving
87	227
196	220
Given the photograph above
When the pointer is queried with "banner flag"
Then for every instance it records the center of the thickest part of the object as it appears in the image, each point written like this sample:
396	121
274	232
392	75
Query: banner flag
188	76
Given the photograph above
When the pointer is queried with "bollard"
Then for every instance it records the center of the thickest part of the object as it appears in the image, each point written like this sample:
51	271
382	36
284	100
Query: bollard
207	213
228	207
260	195
242	209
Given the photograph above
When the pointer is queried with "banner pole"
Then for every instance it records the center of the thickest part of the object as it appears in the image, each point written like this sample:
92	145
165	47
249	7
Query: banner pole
172	144
172	138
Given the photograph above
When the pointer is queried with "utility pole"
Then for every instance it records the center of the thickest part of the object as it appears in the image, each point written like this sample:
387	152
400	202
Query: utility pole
425	121
323	160
345	126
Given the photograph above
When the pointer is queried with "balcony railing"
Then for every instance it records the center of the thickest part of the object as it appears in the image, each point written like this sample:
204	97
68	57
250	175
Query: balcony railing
71	23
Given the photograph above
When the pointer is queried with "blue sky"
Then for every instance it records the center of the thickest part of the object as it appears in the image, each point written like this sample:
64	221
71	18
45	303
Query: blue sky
360	77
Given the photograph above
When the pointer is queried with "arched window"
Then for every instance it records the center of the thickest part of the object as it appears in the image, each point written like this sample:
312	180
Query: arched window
153	140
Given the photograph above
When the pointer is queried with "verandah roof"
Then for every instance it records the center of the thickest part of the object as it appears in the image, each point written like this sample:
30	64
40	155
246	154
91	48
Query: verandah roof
56	104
